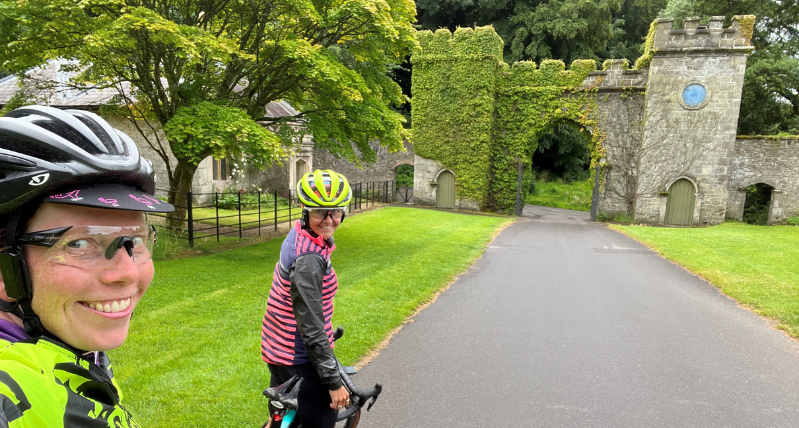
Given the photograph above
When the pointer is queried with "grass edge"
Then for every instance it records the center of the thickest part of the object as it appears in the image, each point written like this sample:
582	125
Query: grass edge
774	323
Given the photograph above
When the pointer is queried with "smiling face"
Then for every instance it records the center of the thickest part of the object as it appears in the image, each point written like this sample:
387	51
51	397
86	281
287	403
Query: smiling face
89	308
323	227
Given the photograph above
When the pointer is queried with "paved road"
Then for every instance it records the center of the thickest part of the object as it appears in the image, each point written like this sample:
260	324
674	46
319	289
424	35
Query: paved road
565	323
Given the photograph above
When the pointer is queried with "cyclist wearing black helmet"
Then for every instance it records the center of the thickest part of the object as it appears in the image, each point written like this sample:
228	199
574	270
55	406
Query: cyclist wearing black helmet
75	262
297	337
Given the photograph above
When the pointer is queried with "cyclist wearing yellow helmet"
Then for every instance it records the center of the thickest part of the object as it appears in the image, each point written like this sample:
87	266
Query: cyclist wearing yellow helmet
296	336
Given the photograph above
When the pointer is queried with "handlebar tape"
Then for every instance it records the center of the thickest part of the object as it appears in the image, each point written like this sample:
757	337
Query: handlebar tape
349	410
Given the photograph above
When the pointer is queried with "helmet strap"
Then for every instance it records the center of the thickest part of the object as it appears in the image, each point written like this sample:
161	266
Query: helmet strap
16	280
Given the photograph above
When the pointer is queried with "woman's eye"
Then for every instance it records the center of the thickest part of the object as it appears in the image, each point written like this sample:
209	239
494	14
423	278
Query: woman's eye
138	241
78	244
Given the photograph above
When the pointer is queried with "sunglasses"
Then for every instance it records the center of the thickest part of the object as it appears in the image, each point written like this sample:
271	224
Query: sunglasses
322	213
93	246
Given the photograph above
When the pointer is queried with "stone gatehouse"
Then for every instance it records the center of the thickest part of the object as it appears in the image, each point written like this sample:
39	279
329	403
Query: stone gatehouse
665	132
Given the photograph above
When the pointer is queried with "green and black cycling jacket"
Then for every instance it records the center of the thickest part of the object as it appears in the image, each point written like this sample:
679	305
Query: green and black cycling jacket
44	384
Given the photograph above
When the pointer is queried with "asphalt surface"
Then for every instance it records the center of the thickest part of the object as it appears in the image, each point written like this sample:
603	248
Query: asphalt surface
565	323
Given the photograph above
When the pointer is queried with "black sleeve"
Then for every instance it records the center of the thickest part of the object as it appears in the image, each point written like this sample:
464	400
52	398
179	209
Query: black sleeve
306	276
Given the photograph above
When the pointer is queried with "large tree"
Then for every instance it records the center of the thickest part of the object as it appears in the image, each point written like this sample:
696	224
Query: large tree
770	98
174	61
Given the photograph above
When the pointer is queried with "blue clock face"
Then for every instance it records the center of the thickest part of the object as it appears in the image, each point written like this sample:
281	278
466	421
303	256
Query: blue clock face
694	95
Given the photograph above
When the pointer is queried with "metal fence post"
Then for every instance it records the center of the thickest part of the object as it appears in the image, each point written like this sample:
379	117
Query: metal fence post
289	207
385	193
239	214
216	204
275	193
259	212
190	218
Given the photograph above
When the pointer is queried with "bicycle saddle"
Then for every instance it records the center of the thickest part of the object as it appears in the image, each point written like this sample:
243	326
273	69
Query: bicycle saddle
278	394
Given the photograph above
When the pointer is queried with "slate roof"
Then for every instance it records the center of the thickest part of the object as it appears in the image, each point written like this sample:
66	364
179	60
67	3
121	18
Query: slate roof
280	109
46	87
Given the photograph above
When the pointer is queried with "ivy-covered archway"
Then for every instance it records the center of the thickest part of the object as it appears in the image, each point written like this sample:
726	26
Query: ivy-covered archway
481	118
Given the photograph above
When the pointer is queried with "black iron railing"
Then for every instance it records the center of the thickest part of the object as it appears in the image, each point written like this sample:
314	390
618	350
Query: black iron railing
234	213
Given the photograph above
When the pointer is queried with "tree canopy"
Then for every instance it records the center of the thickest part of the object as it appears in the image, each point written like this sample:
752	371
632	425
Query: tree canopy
551	29
171	59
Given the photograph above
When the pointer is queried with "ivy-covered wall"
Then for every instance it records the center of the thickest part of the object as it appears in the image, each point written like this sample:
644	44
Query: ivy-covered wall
480	118
454	84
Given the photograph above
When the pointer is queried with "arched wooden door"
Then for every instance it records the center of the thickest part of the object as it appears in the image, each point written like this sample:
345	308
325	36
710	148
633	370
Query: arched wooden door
680	203
445	190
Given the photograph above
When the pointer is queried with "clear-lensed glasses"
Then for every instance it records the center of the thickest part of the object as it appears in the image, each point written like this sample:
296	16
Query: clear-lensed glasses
322	213
93	246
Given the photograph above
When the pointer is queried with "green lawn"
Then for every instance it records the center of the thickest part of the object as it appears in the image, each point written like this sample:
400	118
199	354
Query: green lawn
756	265
575	195
249	218
193	355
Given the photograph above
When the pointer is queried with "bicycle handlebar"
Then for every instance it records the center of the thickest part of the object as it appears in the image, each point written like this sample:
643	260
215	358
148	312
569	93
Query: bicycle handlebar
359	397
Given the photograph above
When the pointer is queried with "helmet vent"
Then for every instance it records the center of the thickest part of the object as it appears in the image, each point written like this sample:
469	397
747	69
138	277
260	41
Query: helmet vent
32	149
100	133
70	135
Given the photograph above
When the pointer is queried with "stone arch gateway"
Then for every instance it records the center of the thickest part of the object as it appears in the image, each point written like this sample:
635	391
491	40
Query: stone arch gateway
674	115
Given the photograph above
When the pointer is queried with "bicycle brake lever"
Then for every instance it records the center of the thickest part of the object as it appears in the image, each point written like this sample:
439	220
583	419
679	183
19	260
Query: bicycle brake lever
371	403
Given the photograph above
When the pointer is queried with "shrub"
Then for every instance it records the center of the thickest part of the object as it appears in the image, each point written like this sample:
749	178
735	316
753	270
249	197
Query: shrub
623	218
614	217
249	201
793	221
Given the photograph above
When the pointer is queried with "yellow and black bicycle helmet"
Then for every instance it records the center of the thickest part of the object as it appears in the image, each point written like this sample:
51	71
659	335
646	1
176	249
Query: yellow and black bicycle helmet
324	189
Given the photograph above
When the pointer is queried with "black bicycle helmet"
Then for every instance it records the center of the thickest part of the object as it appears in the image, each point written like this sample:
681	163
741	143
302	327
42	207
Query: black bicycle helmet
44	151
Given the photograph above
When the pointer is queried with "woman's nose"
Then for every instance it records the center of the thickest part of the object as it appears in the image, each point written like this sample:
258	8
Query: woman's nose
122	268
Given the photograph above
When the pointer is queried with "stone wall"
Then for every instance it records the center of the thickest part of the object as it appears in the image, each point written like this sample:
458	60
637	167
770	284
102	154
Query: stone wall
383	169
687	135
621	120
620	115
766	160
161	175
425	184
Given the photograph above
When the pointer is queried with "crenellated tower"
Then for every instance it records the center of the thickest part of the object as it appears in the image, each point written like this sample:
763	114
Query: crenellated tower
693	96
454	84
